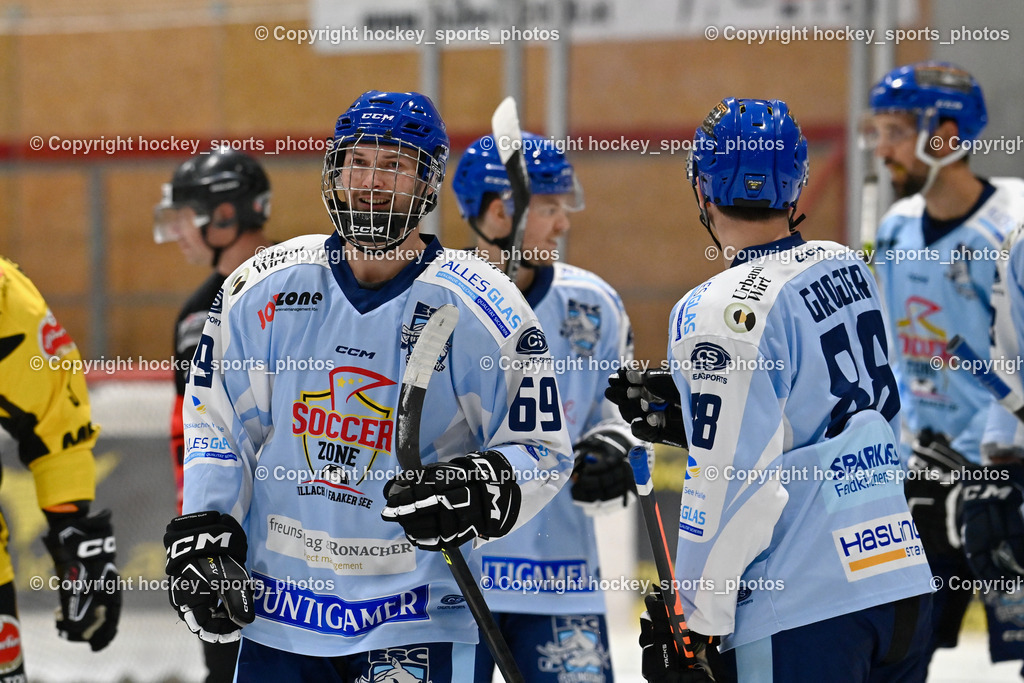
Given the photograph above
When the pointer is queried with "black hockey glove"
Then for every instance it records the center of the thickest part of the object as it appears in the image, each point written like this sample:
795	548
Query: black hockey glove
602	478
649	402
933	491
660	662
83	552
209	586
992	524
452	502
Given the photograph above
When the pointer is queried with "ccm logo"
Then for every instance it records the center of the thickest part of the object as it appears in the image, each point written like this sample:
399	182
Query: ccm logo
96	546
199	542
379	117
987	492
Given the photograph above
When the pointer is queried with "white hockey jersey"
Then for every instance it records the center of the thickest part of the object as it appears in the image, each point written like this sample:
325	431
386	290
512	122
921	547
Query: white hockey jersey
1003	428
290	428
550	566
936	291
792	508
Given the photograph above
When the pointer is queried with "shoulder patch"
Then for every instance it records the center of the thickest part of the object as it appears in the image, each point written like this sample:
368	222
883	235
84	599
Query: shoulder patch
532	342
483	288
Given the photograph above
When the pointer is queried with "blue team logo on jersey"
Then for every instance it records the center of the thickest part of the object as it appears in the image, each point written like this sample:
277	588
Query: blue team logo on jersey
532	342
398	665
708	357
411	333
576	650
582	326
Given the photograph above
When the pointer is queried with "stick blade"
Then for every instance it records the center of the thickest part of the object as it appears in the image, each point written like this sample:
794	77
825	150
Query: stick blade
505	126
429	346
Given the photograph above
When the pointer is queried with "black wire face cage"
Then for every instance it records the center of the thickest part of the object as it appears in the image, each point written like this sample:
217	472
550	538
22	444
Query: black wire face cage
376	190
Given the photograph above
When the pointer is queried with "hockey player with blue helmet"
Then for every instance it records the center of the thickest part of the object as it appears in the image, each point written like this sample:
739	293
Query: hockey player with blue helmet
555	628
937	259
796	547
300	533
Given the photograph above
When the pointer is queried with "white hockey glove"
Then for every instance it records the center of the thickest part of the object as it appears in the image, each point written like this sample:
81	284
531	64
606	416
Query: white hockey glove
209	586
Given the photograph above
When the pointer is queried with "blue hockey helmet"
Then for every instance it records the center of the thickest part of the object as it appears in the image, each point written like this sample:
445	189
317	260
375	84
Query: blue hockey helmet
933	91
480	171
400	134
749	153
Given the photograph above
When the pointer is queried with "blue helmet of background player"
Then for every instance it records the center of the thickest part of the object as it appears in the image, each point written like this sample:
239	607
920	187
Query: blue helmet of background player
383	170
931	92
480	174
206	181
749	154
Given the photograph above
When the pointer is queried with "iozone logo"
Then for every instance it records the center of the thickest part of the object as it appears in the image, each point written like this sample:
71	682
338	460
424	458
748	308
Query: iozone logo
287	301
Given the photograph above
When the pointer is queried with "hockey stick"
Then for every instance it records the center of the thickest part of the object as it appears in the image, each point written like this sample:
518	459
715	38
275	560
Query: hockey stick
1004	395
662	557
508	138
869	212
418	370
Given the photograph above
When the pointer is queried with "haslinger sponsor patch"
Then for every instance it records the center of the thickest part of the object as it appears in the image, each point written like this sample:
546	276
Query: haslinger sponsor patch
880	545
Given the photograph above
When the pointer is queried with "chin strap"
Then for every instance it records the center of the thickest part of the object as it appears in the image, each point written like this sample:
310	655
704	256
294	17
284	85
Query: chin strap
793	222
934	164
704	219
503	243
218	251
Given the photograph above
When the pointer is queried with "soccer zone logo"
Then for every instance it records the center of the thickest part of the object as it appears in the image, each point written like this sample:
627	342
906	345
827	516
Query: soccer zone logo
582	326
576	653
411	333
337	425
739	317
398	665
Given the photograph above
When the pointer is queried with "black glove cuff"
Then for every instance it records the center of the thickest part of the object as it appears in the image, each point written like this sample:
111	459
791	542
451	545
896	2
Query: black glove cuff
202	534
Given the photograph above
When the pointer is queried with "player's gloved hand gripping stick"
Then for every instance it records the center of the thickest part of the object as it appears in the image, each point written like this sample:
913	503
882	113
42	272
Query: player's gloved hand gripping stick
418	371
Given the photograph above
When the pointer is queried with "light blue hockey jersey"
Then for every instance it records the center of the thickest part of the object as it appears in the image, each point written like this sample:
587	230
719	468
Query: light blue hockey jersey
792	509
290	428
1004	429
550	566
934	292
